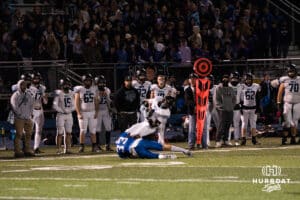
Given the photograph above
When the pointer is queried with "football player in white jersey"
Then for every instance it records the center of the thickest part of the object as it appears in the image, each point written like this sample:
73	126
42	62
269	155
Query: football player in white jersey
211	114
104	114
161	89
291	99
64	104
87	108
159	92
249	101
235	84
142	86
38	92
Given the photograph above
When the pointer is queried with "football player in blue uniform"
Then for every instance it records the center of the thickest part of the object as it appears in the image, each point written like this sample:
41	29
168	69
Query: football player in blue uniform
131	143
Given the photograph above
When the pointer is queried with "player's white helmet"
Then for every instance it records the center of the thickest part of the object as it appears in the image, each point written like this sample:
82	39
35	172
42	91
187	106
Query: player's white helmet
100	81
65	83
234	78
141	75
249	79
292	71
36	78
87	80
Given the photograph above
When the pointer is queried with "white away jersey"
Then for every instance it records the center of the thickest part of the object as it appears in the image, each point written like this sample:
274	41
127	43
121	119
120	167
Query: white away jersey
142	88
237	90
64	102
104	99
248	94
161	92
276	82
87	97
291	90
37	93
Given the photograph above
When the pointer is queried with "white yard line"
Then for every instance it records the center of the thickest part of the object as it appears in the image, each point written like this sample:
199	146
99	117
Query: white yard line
22	189
75	186
50	198
229	149
225	177
149	180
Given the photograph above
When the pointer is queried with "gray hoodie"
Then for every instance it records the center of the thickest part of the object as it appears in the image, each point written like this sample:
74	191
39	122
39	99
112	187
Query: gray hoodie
22	103
224	98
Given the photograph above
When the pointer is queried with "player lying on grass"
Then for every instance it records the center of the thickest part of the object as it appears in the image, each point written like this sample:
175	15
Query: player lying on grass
131	143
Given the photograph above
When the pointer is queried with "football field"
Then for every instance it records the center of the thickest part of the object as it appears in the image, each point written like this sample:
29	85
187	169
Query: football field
268	171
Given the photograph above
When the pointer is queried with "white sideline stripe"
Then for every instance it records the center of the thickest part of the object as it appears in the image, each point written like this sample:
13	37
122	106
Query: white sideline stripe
128	182
229	149
159	164
60	168
202	166
225	177
50	198
22	189
59	157
17	170
197	180
76	186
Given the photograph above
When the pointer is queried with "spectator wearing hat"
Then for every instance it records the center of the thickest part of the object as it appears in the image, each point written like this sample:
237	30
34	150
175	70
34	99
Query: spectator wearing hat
127	103
225	100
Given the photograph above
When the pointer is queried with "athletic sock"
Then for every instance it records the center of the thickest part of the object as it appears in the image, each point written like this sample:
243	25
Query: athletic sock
178	149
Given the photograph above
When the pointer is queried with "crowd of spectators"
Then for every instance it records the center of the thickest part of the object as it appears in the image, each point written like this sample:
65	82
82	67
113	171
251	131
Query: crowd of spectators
113	31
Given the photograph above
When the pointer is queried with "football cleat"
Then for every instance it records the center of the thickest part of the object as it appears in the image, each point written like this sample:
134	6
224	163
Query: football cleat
243	143
19	154
218	145
38	151
236	143
107	148
96	149
228	143
254	141
293	140
284	141
187	153
81	149
29	154
67	151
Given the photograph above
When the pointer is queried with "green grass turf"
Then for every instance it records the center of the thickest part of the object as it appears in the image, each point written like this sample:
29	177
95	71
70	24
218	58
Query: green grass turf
225	173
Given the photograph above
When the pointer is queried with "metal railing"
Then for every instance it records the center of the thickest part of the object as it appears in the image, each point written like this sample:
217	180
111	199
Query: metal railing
286	8
53	70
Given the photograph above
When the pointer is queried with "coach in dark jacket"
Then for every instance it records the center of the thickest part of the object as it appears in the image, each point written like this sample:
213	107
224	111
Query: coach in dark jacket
127	102
189	99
